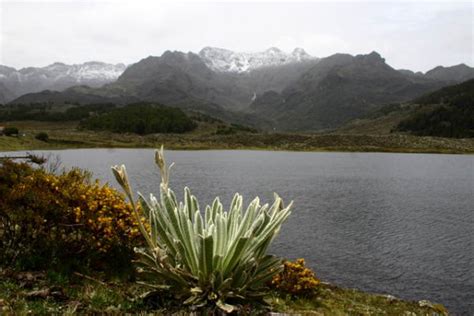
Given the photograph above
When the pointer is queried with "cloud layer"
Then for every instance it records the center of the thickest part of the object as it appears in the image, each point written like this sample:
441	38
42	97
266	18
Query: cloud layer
411	35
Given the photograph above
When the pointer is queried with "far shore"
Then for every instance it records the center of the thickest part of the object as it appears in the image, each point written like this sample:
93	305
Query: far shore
67	136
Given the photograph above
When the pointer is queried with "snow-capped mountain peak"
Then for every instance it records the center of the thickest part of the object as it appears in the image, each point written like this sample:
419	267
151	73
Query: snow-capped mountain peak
300	54
224	60
93	70
58	76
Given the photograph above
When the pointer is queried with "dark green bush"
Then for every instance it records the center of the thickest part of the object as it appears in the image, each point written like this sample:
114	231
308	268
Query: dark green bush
42	136
48	112
10	131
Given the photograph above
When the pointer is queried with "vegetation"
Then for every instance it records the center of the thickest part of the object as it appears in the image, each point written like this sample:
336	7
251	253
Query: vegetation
234	129
50	293
66	135
452	120
10	131
141	119
448	113
462	93
454	117
62	220
333	300
218	261
295	279
42	136
51	113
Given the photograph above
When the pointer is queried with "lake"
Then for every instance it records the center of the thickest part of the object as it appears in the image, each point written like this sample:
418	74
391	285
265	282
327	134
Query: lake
401	224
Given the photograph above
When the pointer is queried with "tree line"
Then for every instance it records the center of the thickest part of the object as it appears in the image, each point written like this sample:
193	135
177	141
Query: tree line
141	119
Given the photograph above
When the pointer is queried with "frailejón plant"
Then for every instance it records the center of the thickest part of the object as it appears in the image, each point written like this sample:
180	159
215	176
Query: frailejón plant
214	262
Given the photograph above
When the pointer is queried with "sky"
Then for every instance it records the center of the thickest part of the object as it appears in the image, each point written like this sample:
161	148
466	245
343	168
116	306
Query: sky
415	35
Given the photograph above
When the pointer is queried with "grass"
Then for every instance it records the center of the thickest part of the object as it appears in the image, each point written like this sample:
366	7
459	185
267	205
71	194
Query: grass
333	300
66	135
84	295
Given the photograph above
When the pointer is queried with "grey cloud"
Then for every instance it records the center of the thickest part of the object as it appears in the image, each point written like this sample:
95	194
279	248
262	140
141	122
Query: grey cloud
411	35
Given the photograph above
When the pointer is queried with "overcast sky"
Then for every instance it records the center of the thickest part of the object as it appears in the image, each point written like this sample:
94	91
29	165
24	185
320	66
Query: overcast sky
417	35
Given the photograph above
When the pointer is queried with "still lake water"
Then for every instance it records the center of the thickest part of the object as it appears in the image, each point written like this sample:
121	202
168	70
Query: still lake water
401	224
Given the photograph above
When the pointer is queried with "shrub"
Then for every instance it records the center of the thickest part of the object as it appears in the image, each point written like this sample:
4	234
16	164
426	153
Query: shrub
42	136
213	262
63	219
10	131
295	279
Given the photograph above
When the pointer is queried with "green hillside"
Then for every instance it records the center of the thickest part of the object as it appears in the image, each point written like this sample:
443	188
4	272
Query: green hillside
452	117
447	112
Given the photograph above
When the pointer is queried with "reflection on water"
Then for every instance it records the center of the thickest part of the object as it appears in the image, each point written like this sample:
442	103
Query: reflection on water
392	223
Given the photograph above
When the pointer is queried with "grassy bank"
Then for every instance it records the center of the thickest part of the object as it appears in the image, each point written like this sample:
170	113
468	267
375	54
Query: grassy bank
41	293
66	135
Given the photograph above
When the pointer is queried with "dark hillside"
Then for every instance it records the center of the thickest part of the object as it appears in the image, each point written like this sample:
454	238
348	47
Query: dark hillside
454	117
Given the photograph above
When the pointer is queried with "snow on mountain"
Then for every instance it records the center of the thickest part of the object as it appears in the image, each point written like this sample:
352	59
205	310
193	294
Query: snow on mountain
96	71
224	60
58	76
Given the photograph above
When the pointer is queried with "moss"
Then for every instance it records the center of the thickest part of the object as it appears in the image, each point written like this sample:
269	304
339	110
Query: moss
333	300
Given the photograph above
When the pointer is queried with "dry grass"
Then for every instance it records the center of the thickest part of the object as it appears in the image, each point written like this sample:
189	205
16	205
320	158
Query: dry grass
66	135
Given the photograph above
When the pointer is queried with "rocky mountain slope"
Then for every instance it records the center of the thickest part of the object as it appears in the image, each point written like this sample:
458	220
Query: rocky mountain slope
454	74
177	77
338	89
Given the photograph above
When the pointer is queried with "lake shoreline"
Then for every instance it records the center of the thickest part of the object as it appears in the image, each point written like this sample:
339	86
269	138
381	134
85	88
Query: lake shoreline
66	135
316	150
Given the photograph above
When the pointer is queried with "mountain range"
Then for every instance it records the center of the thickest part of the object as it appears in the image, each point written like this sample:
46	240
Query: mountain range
57	76
270	89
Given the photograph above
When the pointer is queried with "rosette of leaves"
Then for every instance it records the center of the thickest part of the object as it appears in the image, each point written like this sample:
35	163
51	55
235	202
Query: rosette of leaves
211	260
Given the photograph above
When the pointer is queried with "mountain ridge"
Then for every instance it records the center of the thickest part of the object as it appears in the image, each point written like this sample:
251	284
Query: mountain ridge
224	60
310	94
57	76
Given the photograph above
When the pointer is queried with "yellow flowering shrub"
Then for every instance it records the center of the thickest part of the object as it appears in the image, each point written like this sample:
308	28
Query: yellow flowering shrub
46	217
295	279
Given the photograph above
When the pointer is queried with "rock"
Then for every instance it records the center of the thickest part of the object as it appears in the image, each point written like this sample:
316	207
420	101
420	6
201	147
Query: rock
56	293
39	294
425	303
390	298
